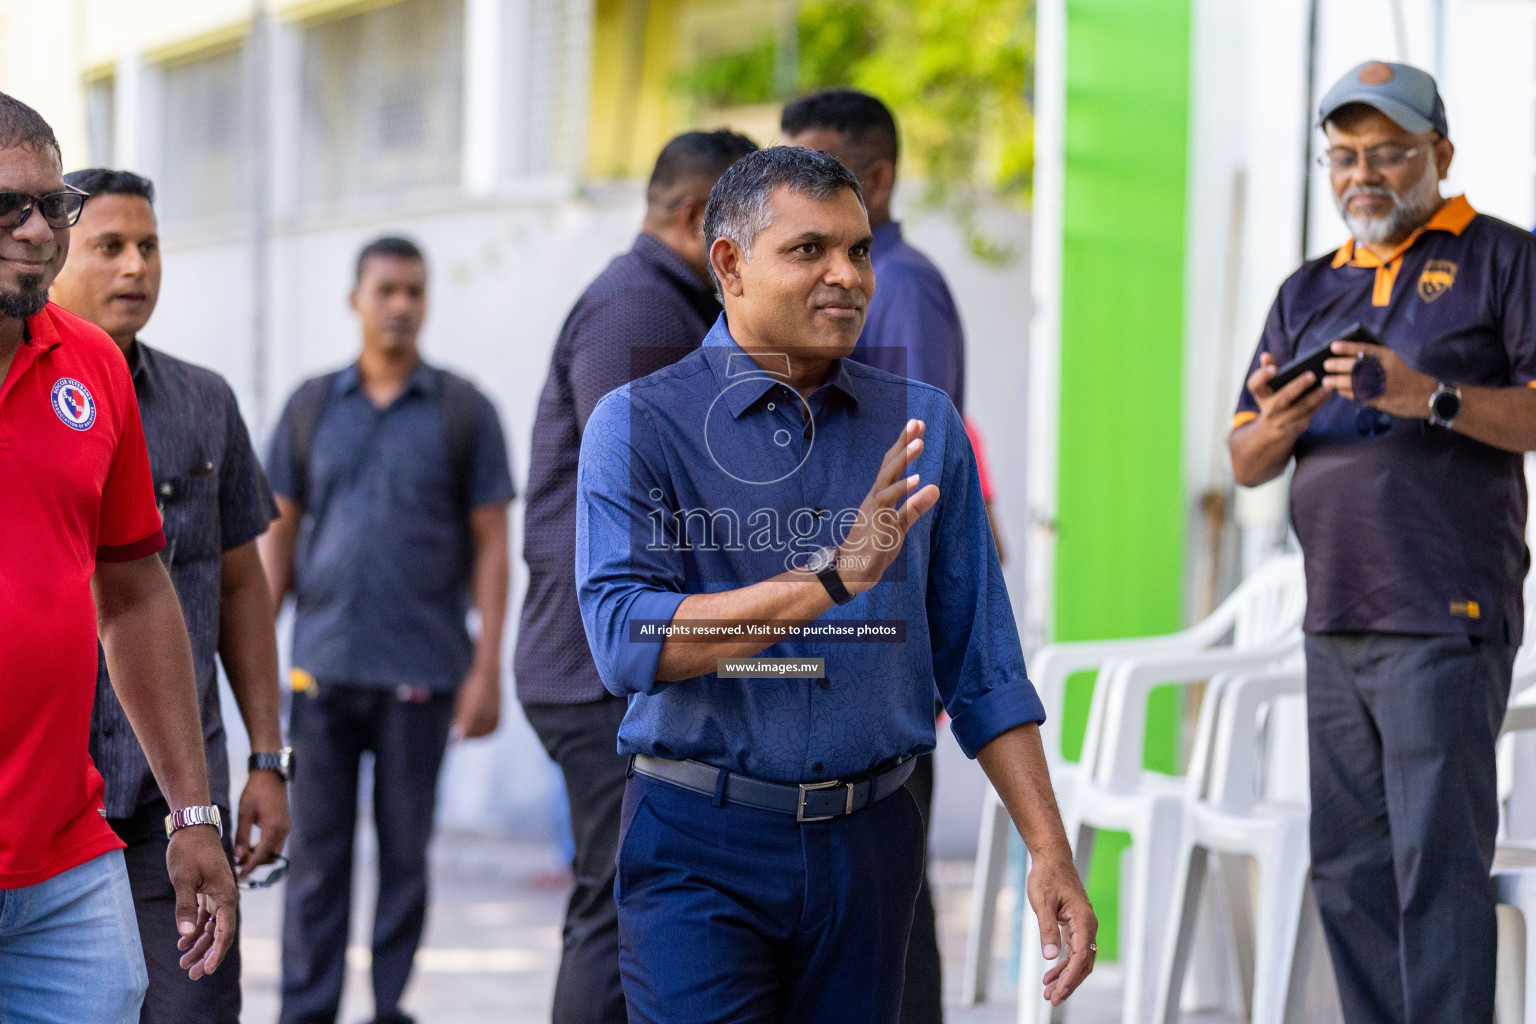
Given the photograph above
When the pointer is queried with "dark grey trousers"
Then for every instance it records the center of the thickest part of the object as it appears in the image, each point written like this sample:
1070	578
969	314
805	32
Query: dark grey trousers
583	739
173	996
1404	814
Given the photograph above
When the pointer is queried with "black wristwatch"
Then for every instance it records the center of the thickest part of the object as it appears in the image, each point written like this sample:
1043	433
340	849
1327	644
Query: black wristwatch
280	762
1444	404
824	564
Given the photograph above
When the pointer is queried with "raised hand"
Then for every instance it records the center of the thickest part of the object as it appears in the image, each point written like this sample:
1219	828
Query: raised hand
886	513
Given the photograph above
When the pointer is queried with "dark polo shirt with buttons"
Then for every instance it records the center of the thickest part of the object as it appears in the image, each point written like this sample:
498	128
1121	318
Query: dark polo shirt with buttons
645	310
383	567
1419	529
213	498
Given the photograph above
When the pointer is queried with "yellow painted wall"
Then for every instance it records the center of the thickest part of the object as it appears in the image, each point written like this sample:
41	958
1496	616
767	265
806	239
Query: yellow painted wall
637	47
631	113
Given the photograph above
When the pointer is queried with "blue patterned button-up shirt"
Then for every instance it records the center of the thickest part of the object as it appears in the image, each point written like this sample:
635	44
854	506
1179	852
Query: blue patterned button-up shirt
705	477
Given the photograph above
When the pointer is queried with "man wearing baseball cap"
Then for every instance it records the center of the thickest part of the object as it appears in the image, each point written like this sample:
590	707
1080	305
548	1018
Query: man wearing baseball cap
1410	504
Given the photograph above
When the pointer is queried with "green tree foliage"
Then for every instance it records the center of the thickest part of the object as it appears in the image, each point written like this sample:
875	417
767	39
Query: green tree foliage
958	74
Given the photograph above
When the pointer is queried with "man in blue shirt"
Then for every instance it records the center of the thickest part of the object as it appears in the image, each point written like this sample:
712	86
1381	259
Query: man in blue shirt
725	509
392	483
912	329
650	306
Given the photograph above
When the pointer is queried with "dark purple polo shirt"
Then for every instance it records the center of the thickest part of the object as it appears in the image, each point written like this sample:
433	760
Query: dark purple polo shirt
913	327
1419	529
644	312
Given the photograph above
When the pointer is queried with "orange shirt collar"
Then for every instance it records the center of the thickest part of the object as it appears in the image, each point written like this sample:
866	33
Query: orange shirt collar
1453	216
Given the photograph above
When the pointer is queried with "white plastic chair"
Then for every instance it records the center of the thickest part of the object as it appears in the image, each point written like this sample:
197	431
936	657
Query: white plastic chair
1119	795
1268	604
1514	877
1232	818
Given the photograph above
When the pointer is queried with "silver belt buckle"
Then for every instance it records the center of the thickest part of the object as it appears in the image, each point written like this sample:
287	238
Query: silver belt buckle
806	787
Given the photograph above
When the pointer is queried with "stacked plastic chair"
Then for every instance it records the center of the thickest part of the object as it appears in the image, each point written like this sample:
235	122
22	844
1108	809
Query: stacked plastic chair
1232	818
1257	626
1514	861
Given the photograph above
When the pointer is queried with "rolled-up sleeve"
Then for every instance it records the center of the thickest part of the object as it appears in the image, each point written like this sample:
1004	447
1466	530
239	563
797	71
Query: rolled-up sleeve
978	661
621	576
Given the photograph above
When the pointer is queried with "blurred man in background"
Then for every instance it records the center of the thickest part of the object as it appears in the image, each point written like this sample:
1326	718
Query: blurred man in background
392	481
215	502
651	306
912	330
78	561
1409	501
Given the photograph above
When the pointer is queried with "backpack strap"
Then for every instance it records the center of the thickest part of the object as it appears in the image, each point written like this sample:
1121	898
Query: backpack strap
460	402
304	412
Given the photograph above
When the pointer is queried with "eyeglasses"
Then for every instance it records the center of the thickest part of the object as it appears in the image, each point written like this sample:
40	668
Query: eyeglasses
1377	158
277	874
59	209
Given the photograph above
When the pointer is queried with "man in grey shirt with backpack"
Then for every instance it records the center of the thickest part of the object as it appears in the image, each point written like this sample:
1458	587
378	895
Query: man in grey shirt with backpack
393	485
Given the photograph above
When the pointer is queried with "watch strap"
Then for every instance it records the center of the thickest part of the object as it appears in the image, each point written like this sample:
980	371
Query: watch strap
178	820
833	582
280	762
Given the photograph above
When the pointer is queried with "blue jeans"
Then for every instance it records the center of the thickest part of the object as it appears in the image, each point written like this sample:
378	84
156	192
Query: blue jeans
731	915
69	948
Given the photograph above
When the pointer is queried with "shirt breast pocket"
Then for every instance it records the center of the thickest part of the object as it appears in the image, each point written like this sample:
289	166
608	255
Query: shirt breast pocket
189	508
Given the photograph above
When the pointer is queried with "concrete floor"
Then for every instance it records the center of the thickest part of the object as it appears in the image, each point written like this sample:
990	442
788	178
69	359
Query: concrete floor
493	938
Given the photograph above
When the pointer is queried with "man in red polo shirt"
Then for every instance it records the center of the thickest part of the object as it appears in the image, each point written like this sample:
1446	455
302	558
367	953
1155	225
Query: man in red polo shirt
81	522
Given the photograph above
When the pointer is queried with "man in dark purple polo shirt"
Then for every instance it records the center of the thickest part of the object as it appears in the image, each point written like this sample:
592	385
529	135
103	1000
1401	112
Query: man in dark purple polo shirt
912	330
1409	501
651	306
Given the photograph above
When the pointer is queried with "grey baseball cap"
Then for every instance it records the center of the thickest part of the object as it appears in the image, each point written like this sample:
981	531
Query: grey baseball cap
1404	93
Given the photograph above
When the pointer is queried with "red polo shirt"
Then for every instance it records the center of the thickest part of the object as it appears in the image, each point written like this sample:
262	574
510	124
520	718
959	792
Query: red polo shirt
76	489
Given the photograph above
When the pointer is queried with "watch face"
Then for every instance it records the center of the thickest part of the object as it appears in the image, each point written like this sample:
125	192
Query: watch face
819	560
1447	405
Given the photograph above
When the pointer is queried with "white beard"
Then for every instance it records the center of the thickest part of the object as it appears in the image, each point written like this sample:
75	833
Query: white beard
1410	208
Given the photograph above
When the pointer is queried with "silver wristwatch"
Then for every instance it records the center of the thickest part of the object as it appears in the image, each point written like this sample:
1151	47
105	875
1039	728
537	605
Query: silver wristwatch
1444	404
178	820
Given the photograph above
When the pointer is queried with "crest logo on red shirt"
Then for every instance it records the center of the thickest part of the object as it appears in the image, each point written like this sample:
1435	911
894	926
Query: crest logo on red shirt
74	404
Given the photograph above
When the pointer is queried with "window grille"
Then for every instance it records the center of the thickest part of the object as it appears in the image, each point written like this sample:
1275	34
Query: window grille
204	168
100	121
381	101
556	65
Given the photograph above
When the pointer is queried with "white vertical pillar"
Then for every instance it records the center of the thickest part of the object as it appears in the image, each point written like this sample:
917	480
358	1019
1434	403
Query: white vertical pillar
1043	423
483	63
127	101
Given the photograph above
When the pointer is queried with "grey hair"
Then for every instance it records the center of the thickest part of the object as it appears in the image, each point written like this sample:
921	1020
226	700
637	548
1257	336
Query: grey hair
739	207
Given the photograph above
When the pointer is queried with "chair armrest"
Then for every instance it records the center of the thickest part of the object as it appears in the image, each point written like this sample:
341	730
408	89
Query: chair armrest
1054	664
1115	746
1233	773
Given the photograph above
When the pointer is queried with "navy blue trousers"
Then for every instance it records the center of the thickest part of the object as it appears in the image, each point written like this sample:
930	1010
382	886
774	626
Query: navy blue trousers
1404	813
730	915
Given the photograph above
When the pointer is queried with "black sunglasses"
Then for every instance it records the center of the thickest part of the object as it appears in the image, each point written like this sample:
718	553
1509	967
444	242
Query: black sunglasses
277	874
59	209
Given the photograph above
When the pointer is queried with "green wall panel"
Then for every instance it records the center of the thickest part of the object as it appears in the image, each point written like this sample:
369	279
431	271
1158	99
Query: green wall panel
1120	487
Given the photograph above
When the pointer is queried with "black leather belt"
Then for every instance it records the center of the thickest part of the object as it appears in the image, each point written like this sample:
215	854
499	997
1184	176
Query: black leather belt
809	801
